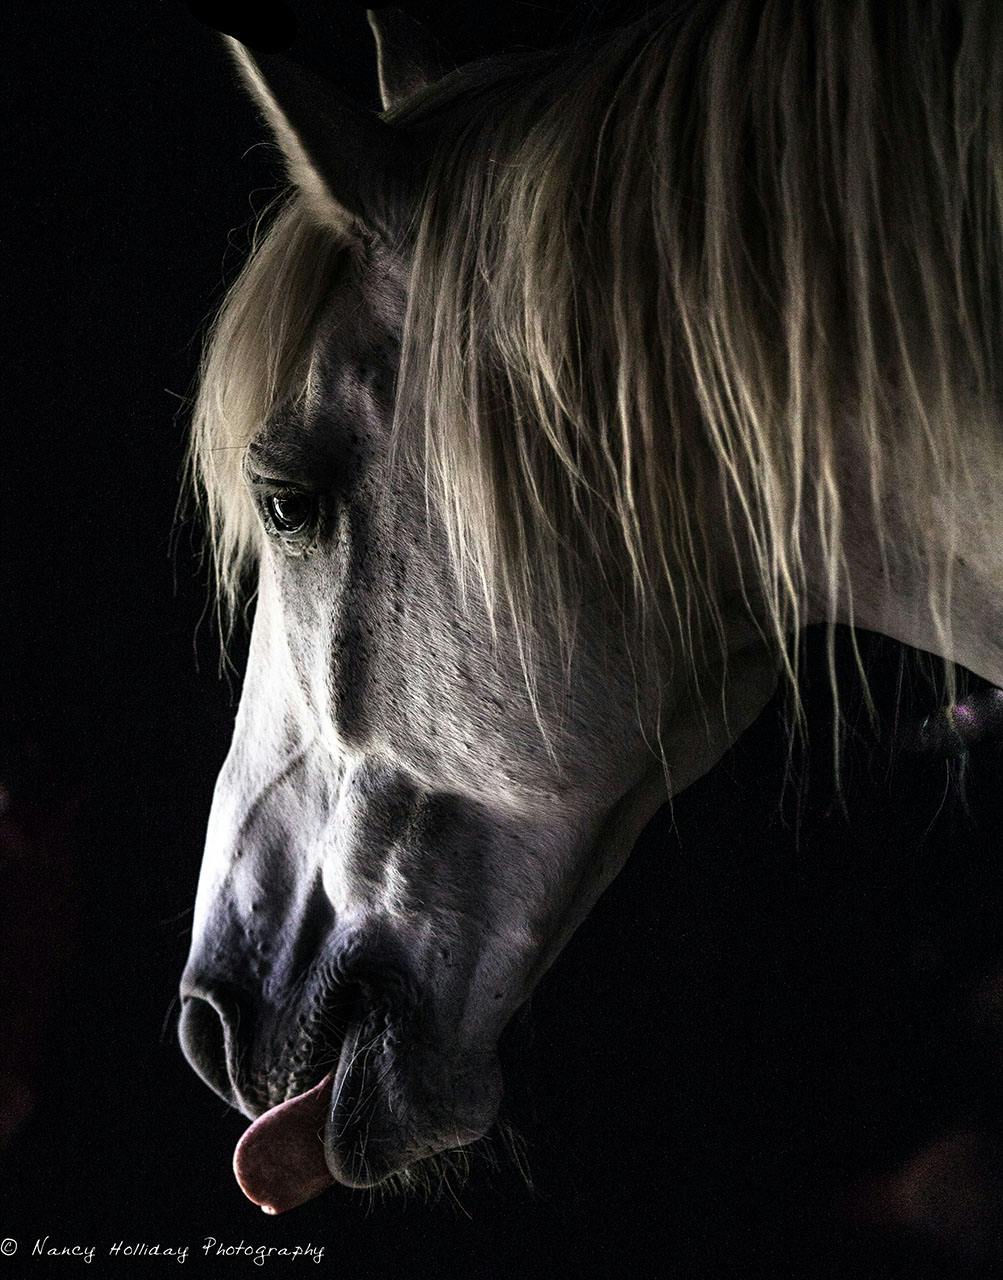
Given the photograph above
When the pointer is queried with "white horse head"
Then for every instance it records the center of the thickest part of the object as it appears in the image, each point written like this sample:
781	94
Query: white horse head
554	403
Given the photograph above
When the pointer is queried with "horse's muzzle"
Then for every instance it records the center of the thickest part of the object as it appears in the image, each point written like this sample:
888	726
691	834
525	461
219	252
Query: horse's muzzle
392	1096
256	1050
355	1017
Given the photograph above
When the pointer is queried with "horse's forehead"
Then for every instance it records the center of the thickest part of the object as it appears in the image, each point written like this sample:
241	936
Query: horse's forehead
366	302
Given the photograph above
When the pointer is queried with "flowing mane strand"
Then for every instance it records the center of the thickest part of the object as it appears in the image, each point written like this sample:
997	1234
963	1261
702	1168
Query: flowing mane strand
656	281
703	253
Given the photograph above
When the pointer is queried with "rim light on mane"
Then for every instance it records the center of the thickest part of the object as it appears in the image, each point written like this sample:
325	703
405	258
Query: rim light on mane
682	141
255	361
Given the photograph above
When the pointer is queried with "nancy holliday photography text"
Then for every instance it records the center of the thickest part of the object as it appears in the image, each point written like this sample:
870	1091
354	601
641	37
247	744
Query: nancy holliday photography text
210	1247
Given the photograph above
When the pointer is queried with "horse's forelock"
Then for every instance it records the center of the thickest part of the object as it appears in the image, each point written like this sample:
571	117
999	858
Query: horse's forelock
256	360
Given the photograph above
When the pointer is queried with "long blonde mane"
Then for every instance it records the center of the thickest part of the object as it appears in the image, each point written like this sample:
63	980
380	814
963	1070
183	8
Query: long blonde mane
655	282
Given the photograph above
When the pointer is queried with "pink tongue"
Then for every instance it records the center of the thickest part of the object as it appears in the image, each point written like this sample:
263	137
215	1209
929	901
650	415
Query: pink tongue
279	1162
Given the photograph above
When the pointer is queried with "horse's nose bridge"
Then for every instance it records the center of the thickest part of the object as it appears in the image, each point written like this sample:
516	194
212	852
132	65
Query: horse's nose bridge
320	824
261	841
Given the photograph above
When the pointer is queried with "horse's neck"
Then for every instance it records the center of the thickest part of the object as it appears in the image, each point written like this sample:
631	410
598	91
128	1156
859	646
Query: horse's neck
936	528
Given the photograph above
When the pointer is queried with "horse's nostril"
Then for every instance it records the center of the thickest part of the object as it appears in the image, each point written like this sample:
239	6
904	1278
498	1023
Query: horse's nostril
203	1042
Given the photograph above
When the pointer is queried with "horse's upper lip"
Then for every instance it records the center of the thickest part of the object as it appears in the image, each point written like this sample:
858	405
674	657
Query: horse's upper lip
297	1044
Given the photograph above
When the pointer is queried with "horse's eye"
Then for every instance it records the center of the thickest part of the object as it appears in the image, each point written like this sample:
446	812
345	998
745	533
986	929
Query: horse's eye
291	512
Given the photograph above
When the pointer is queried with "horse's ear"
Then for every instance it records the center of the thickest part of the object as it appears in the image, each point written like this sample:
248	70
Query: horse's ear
352	168
405	55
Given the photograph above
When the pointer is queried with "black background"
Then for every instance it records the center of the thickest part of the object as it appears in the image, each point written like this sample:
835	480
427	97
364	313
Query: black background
771	1006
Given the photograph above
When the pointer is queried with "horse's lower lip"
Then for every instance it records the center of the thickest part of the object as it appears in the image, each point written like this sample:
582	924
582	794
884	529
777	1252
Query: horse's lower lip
279	1161
296	1149
382	1116
362	1141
